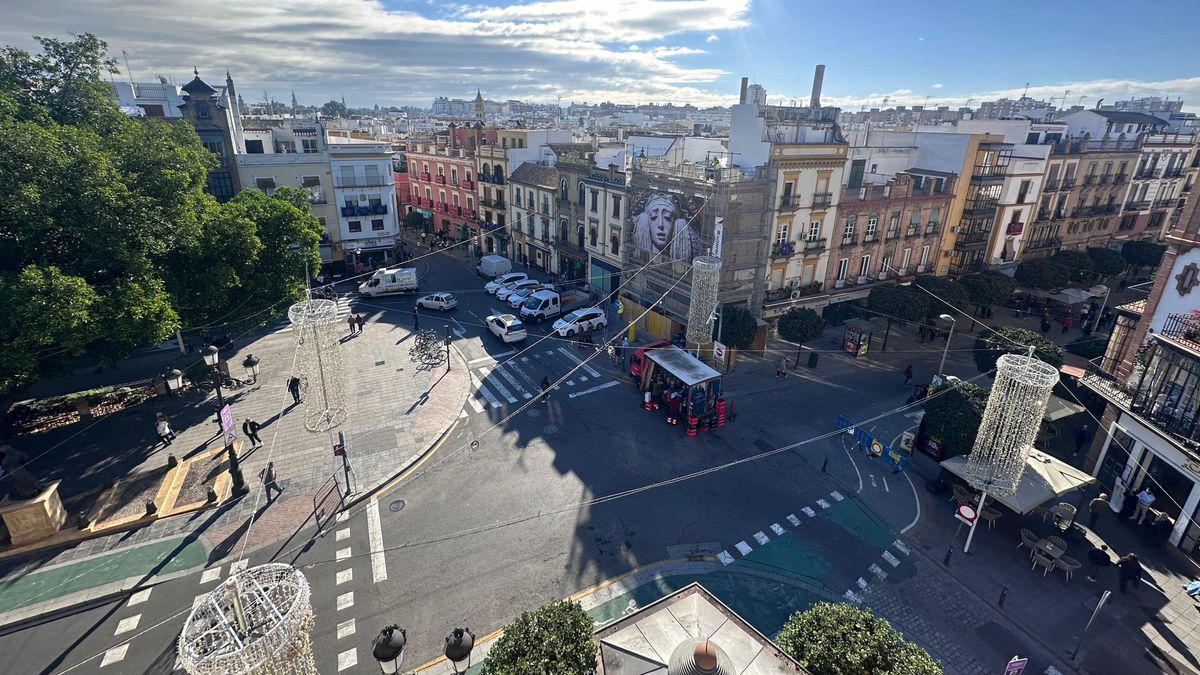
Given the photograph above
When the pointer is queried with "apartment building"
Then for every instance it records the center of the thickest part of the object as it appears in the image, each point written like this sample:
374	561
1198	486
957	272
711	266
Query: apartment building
532	212
1156	195
148	99
365	194
443	188
591	203
498	154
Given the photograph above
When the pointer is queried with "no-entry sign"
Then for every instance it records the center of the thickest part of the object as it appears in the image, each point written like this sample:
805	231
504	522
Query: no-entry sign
966	513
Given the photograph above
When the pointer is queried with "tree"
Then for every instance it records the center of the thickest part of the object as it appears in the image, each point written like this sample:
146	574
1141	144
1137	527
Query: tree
1142	253
1088	346
1106	261
334	109
800	325
414	220
897	303
946	294
1041	273
737	327
1078	265
1008	340
953	416
844	639
988	287
554	638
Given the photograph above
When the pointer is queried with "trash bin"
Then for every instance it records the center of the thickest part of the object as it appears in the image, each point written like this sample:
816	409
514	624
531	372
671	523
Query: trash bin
812	359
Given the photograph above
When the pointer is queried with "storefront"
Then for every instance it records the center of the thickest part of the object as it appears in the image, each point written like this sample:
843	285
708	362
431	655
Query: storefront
537	255
604	277
364	255
427	224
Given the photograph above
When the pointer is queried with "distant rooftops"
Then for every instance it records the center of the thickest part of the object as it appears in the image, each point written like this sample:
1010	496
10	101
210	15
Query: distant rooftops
1123	117
535	174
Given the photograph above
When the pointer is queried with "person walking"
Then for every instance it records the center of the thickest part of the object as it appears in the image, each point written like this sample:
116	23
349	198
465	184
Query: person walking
350	320
1082	436
267	475
908	374
250	428
1098	559
1145	499
416	319
163	427
293	386
545	389
1128	570
360	321
1066	323
1095	508
781	369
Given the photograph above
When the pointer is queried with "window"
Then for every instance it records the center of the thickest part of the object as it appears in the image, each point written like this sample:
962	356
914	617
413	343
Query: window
872	221
933	215
814	230
545	204
442	196
377	224
517	195
595	200
468	176
321	220
453	176
441	171
857	167
894	224
582	191
593	235
454	198
347	176
864	266
373	175
848	231
202	110
254	147
351	201
215	147
783	232
529	199
309	145
428	194
616	206
905	259
885	265
355	225
312	185
924	255
914	218
614	244
470	204
562	189
843	266
267	185
1023	191
424	167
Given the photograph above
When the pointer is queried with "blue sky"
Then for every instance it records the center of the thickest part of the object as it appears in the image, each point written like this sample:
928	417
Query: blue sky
395	52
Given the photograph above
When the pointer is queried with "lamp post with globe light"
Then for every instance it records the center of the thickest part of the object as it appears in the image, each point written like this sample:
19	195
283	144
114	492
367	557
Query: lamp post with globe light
251	366
459	644
174	380
212	359
388	649
953	321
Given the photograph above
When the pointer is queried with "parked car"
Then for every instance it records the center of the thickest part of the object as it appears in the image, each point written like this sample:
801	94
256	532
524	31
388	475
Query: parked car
541	305
518	297
438	301
495	284
506	327
581	321
506	290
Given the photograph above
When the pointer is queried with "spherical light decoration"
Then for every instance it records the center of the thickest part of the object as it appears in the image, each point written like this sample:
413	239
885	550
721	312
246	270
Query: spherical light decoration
257	622
319	362
1010	423
706	281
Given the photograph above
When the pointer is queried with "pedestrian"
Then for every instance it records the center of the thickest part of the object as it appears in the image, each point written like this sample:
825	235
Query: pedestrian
350	320
293	386
545	389
1082	436
908	374
1098	558
1045	325
1145	499
360	321
416	319
1095	508
163	427
250	428
1066	323
268	479
1128	570
1083	316
781	369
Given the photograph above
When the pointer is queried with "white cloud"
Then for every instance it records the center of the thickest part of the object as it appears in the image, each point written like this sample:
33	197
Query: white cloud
712	37
937	85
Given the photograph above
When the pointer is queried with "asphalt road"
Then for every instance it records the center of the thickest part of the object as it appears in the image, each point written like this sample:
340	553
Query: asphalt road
498	519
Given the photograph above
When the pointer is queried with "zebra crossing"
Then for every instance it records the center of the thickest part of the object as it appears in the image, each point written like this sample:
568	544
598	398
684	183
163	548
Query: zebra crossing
506	381
343	310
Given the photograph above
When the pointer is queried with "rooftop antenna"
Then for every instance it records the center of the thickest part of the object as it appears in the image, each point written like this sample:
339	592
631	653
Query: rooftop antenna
1025	93
127	70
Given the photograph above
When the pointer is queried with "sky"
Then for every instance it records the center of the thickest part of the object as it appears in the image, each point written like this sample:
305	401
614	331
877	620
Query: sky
406	52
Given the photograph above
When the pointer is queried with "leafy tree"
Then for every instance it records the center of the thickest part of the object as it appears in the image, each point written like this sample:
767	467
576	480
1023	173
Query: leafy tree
988	287
1106	261
800	325
1142	253
1008	340
334	109
1088	346
554	638
1041	273
946	291
64	84
953	416
737	327
897	303
1079	265
414	220
844	639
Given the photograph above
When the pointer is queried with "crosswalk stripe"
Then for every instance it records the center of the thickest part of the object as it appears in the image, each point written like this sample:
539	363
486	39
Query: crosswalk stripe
793	519
513	381
900	546
494	382
777	528
475	404
761	537
590	370
862	583
725	558
743	548
808	511
891	559
479	389
823	504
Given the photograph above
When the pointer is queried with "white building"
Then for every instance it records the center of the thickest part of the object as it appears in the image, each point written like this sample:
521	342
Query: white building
365	194
148	99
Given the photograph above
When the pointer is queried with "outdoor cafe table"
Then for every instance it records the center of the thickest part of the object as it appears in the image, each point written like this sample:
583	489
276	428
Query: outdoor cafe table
1049	548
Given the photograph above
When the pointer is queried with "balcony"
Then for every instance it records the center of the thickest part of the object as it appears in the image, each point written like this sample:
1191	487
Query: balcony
779	295
1047	243
822	200
1042	216
1173	173
489	226
439	179
814	245
425	176
788	202
492	203
1089	180
1156	398
1144	174
783	249
912	232
1105	178
1164	203
1080	211
933	228
1014	229
1120	179
490	179
1137	206
891	234
368	210
1184	329
1052	185
849	241
972	241
366	181
468	185
1068	183
443	207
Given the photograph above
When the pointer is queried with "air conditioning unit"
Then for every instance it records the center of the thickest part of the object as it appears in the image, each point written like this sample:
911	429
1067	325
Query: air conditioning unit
902	272
920	269
796	295
955	229
947	254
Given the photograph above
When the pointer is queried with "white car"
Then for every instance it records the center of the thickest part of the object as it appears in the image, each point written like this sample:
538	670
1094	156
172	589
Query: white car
518	296
506	327
439	301
581	321
495	284
508	289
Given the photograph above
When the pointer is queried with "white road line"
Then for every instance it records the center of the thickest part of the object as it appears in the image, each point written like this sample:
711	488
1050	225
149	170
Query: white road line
902	547
596	388
877	571
495	383
462	414
463	331
479	388
872	477
127	624
491	357
345	576
375	538
793	519
341	517
761	537
513	381
139	597
345	600
341	534
885	485
837	496
114	655
211	575
808	511
582	378
891	559
853	597
823	504
862	583
345	629
916	497
725	558
348	659
776	528
567	353
743	548
343	553
475	404
852	463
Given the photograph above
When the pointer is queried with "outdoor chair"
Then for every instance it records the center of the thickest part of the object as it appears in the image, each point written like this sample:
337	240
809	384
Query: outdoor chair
1042	560
1028	540
1057	541
1042	511
1068	565
990	516
962	494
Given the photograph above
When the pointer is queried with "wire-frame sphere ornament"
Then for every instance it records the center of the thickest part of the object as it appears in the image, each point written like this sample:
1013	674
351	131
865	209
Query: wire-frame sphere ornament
319	362
1010	423
706	281
257	622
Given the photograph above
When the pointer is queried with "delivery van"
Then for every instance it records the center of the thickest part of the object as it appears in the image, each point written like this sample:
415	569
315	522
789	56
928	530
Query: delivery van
492	266
390	280
541	305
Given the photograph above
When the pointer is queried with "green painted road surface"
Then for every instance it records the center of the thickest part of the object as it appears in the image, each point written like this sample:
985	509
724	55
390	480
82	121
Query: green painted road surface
170	555
862	523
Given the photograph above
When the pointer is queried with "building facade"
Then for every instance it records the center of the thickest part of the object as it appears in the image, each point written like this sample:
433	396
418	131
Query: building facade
1156	194
533	214
365	195
215	117
443	188
591	204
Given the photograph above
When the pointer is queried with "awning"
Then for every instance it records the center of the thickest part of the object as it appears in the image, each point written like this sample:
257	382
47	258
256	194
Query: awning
1044	478
1071	296
1058	408
687	368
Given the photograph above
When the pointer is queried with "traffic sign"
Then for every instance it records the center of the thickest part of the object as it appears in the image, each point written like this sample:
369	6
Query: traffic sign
227	425
876	447
1016	666
966	513
719	351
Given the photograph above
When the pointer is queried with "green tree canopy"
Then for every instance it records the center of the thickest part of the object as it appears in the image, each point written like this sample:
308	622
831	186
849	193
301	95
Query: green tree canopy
334	109
1142	253
414	220
1106	261
1042	273
555	638
844	639
1008	340
902	303
737	327
989	287
1079	265
800	325
946	291
953	416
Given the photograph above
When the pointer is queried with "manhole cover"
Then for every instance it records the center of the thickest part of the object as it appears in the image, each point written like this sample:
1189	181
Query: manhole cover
533	412
550	428
380	363
396	505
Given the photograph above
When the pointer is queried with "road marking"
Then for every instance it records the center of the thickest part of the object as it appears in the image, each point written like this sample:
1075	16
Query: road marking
862	583
513	381
345	629
885	485
238	565
128	624
877	571
139	597
461	332
462	414
114	655
494	382
761	537
583	378
524	359
341	534
872	477
343	553
590	370
344	576
211	575
808	511
725	558
837	496
823	504
475	404
793	519
479	388
348	659
891	559
477	317
776	528
341	516
853	597
902	547
345	600
852	462
594	389
492	357
743	548
375	539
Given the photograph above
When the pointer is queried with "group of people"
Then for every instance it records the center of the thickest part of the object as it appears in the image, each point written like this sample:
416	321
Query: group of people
667	391
1129	568
929	332
356	323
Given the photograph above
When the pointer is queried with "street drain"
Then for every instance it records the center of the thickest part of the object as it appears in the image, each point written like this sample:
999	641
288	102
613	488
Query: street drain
533	412
396	505
379	363
550	428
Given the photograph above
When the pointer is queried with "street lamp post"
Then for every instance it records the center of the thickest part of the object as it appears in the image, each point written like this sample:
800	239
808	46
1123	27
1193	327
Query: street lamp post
459	644
946	317
388	649
174	380
251	366
447	348
212	358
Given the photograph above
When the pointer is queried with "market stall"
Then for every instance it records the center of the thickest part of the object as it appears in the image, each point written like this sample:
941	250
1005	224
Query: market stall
688	388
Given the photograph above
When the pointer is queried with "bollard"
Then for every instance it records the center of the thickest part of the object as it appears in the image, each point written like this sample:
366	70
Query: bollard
151	509
212	495
172	462
825	466
949	553
1003	595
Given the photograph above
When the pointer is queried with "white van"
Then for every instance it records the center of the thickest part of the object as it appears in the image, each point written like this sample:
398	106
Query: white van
541	305
387	281
492	266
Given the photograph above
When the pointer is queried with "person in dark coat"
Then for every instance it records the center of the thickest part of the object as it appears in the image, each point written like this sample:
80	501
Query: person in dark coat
1095	508
1129	569
1098	558
416	320
1082	436
908	374
294	388
250	428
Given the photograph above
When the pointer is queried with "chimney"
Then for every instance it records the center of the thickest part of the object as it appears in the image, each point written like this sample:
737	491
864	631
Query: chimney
742	96
818	79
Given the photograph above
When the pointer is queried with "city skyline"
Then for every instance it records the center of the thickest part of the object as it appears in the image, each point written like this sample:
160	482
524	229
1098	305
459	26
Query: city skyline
403	52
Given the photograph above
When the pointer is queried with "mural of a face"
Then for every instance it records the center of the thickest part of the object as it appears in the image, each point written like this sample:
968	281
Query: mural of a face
660	219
